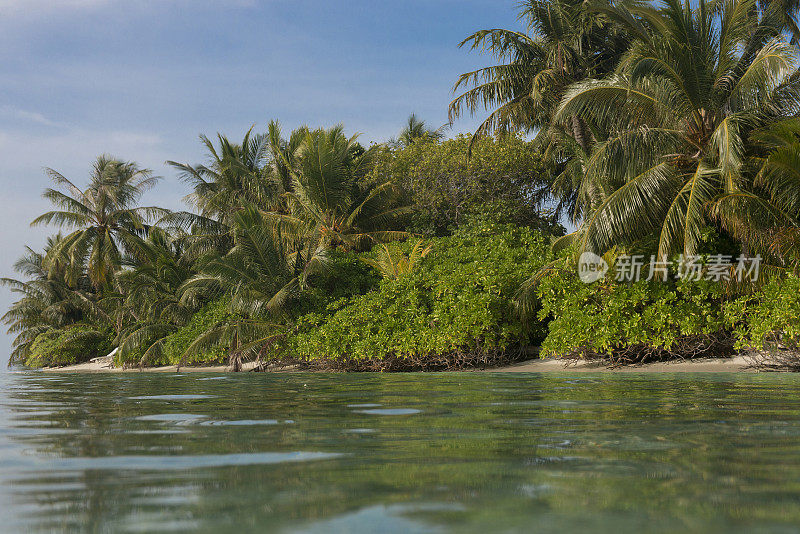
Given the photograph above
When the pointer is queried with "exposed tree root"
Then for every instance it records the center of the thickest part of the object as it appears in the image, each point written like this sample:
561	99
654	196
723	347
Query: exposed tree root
719	344
779	359
452	361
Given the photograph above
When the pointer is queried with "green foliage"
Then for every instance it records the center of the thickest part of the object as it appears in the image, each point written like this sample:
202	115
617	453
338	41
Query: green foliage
393	262
661	129
640	321
345	276
631	321
75	344
415	130
674	126
447	185
174	346
333	203
106	216
770	318
458	300
46	300
567	41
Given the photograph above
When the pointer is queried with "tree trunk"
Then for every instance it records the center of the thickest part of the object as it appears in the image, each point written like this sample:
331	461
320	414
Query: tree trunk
579	133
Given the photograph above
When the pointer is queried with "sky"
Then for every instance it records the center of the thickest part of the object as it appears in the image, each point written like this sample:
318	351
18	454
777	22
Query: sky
141	79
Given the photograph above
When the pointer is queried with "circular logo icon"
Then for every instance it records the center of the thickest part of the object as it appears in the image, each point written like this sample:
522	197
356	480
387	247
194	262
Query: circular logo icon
591	267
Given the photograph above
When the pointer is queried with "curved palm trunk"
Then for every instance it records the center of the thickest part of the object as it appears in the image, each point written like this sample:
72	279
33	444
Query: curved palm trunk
235	360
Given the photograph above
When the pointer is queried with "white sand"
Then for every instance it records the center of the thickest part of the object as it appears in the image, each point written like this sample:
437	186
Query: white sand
709	365
102	367
703	365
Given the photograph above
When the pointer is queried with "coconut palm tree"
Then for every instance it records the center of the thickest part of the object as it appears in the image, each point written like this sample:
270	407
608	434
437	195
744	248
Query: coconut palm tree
106	217
331	203
47	301
235	173
149	293
283	153
787	10
567	42
261	279
416	129
765	213
673	124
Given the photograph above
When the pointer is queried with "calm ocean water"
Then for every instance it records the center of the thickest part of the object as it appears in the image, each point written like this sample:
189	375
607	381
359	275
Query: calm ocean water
468	452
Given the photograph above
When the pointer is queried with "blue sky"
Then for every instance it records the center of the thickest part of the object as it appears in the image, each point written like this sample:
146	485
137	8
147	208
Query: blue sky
140	79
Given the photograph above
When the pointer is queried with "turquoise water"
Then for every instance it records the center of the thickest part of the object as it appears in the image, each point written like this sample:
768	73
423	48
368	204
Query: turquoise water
459	453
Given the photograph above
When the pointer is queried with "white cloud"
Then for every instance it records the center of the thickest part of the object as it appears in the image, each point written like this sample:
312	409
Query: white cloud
24	115
71	150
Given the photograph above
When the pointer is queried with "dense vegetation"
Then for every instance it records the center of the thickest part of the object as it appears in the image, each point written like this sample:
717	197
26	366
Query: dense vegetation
666	130
452	309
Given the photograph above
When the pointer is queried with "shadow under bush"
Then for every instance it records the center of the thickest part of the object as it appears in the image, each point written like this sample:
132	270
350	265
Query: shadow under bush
639	322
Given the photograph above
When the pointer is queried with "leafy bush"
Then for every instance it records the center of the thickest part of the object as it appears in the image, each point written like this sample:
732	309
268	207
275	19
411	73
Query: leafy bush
72	345
447	186
632	322
770	318
453	309
175	344
345	276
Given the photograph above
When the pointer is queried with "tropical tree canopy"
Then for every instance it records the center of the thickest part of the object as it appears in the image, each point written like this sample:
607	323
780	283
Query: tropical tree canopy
566	42
661	129
674	123
235	173
332	203
46	301
106	218
414	130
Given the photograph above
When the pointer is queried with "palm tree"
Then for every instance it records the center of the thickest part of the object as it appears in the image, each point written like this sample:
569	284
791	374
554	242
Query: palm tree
393	263
331	203
568	42
765	214
260	278
149	291
105	215
47	301
787	11
283	153
236	173
673	124
414	130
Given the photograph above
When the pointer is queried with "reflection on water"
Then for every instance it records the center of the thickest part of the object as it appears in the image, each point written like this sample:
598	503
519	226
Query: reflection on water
400	453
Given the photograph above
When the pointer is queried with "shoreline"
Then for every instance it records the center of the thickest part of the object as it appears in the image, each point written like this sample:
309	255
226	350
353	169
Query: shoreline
736	364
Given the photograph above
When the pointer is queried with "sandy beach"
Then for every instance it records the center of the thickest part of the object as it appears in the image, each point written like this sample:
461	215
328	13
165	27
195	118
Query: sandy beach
701	365
548	365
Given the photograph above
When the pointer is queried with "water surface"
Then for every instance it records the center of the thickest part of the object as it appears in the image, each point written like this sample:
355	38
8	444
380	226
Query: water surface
467	452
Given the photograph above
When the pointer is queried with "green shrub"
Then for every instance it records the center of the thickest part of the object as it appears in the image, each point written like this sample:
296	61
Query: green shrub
72	345
175	344
632	322
345	276
453	308
770	318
